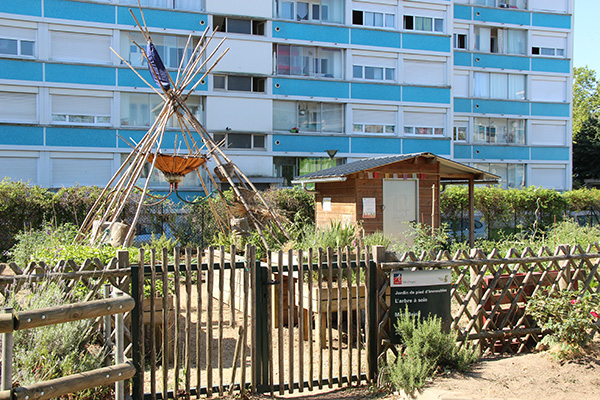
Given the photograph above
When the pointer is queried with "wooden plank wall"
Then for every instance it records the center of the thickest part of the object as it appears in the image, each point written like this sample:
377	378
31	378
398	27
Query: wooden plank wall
346	197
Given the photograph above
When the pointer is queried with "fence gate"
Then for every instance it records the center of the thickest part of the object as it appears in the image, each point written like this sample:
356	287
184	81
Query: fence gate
317	319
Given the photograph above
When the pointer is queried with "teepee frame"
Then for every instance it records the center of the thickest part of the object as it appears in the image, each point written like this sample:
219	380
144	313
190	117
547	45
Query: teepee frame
113	198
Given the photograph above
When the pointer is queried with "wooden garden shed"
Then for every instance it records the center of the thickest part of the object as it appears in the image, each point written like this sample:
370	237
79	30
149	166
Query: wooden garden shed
385	193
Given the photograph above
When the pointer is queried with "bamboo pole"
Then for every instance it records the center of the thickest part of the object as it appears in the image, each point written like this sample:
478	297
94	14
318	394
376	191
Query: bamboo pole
246	278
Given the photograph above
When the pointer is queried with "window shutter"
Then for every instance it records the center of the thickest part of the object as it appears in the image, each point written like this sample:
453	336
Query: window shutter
548	133
89	171
18	107
548	176
80	47
80	105
374	61
17	33
20	169
424	119
379	117
424	72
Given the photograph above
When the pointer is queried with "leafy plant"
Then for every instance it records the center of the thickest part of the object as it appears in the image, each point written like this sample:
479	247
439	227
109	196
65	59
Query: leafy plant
425	349
53	351
570	317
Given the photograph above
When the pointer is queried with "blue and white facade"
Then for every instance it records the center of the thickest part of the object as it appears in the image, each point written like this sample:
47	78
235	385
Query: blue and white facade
484	82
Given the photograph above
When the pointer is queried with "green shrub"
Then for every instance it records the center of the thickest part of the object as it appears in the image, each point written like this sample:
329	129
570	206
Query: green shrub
53	351
423	239
425	350
570	317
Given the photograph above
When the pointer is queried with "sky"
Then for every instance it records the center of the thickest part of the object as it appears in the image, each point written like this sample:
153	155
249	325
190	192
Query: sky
586	50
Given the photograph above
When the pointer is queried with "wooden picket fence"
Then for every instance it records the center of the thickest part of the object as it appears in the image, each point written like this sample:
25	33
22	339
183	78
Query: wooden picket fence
301	320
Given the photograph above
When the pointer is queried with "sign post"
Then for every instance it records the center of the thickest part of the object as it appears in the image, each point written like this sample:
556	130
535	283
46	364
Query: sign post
427	292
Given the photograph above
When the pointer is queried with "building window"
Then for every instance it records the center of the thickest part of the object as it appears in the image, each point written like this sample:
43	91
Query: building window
373	73
193	5
497	40
237	83
17	41
305	116
460	133
289	168
424	123
18	106
140	109
519	4
499	130
80	110
427	24
309	61
239	25
315	10
499	86
371	18
548	51
460	41
170	49
374	121
511	175
240	140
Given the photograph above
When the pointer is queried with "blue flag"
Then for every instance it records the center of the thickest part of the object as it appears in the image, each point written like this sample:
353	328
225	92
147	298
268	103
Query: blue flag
157	68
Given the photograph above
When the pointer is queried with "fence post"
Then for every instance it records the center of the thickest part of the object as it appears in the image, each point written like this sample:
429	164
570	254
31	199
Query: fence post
260	324
372	305
107	321
477	288
137	336
7	358
119	349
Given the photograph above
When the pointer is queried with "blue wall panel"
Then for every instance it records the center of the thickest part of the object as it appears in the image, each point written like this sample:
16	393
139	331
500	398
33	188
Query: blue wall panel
23	70
551	109
462	105
303	31
316	144
80	137
550	65
462	12
75	10
426	42
165	19
128	78
21	135
303	87
462	58
550	153
375	145
501	107
82	74
436	146
552	20
126	133
501	15
462	151
29	7
372	37
425	94
370	91
501	152
499	61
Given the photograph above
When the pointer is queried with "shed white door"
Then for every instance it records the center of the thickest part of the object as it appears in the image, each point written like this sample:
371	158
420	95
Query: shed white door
400	205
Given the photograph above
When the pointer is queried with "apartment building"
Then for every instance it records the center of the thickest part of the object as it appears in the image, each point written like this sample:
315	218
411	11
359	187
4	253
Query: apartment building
484	82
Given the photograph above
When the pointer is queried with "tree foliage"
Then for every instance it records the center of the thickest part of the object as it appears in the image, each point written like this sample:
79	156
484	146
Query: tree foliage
585	152
586	98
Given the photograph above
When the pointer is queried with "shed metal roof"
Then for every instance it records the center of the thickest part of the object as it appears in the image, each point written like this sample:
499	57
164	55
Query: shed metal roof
448	168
